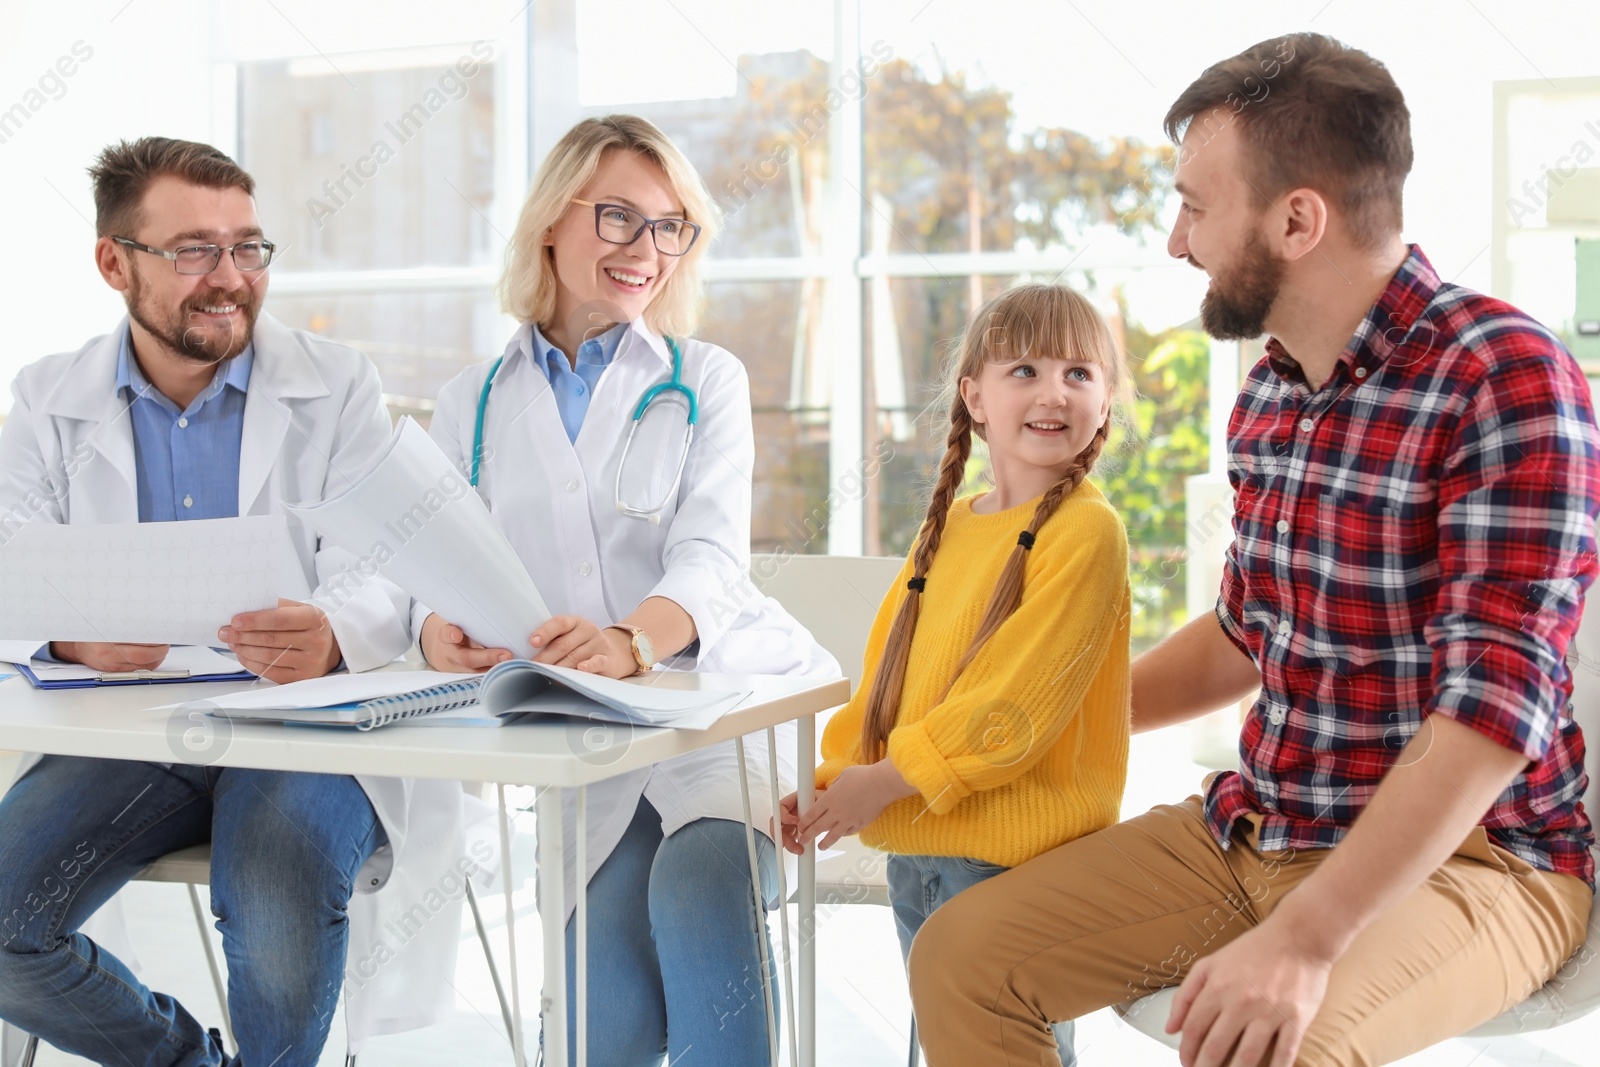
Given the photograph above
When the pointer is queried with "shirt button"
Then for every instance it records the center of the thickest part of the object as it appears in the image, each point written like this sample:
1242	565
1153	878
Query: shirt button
1305	425
188	501
572	485
1361	372
1276	716
584	568
580	388
183	424
1283	627
1283	525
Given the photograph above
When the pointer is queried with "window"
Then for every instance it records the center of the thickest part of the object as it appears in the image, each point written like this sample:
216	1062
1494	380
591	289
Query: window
874	190
390	159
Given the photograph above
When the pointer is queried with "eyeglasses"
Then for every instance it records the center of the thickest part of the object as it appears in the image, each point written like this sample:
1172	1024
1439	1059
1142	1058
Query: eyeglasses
622	226
248	256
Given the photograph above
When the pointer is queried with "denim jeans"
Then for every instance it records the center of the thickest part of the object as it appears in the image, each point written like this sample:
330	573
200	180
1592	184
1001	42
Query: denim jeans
285	849
919	884
674	964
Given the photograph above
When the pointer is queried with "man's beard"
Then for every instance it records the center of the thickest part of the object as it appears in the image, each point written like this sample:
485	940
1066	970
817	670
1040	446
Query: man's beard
1236	306
182	332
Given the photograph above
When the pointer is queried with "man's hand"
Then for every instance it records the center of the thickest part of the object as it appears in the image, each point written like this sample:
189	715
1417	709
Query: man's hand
573	641
1266	985
107	657
288	643
447	647
850	803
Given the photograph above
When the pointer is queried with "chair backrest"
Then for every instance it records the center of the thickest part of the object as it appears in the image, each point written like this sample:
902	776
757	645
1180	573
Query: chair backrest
835	597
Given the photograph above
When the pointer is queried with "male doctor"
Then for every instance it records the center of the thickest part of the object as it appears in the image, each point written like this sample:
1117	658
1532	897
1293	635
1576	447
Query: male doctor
196	406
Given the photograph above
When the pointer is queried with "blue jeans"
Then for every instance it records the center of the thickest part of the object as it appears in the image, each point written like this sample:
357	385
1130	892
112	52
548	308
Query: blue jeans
285	849
674	963
919	884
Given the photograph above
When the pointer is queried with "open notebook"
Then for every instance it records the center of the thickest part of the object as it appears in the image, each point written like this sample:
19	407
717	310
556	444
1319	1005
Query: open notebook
517	690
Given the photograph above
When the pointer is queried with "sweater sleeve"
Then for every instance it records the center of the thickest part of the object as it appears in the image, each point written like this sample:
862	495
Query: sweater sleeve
1029	680
841	738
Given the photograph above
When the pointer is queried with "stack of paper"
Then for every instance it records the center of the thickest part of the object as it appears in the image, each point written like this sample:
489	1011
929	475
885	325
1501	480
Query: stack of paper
514	691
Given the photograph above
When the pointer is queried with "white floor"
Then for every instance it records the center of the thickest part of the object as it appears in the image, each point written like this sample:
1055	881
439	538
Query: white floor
863	1007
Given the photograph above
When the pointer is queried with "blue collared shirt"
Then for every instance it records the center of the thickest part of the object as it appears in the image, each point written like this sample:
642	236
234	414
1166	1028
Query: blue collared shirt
187	461
574	386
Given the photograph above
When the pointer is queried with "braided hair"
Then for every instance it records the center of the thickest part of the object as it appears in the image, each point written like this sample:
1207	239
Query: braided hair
1029	320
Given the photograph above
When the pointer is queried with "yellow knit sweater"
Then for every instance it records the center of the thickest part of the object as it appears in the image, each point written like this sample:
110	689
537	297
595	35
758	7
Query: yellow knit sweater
1029	748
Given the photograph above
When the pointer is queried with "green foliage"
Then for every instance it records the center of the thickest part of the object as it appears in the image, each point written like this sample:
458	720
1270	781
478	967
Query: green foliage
949	170
1146	464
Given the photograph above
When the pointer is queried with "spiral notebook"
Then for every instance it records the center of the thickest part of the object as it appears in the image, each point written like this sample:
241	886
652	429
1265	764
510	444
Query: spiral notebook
514	691
363	701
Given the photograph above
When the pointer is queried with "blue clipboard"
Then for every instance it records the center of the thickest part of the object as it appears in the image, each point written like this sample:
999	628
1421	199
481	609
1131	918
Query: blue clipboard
131	678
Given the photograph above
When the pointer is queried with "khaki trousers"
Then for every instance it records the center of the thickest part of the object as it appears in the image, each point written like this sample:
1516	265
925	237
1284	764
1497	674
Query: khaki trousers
1125	911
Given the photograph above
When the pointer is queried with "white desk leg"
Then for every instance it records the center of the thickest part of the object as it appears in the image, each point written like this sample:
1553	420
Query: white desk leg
518	1050
806	763
768	1004
783	900
552	914
581	1031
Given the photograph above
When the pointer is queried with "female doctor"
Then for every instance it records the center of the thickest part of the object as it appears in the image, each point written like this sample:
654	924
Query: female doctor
616	453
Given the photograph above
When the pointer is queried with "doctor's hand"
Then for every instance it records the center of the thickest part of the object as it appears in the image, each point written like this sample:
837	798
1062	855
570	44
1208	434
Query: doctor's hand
109	657
288	643
447	647
573	641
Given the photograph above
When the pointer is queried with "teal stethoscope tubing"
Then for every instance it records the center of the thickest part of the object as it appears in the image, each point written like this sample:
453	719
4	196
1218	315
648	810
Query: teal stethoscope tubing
674	385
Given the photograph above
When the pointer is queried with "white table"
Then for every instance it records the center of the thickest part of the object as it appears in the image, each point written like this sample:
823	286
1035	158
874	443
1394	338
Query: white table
114	723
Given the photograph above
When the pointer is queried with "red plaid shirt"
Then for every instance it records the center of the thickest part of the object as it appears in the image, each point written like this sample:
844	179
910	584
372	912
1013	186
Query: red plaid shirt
1413	538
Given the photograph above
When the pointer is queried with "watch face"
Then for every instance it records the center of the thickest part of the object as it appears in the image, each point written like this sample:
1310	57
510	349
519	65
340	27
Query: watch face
647	651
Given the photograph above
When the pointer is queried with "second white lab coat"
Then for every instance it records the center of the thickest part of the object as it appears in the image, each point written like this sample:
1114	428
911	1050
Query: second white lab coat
314	422
555	501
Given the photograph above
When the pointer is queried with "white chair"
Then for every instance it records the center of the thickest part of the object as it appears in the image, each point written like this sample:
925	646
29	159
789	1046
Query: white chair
1575	990
836	598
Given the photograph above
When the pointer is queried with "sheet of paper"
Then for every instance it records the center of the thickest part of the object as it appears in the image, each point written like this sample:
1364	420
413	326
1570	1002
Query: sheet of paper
415	519
170	583
19	651
196	659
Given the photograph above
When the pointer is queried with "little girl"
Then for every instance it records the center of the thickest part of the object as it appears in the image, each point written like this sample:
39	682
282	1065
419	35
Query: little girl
995	725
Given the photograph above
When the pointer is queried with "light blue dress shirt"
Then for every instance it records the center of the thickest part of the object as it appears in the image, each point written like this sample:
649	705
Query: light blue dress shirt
187	461
574	386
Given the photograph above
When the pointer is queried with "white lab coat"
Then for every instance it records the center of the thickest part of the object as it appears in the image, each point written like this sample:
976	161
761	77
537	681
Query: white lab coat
555	501
314	421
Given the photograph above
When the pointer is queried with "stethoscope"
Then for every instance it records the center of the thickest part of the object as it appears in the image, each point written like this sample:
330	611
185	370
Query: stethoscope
675	385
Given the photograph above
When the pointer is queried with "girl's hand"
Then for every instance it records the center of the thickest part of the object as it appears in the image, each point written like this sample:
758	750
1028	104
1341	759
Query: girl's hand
786	833
851	802
447	647
574	641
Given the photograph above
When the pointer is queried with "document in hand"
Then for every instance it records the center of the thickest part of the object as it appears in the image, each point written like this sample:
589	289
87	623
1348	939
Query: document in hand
415	519
161	583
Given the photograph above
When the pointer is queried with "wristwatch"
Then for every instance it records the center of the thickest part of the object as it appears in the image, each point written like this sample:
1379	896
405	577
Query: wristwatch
644	653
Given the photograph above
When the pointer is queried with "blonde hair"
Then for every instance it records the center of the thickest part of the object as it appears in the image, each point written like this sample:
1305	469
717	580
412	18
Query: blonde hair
528	283
1042	321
